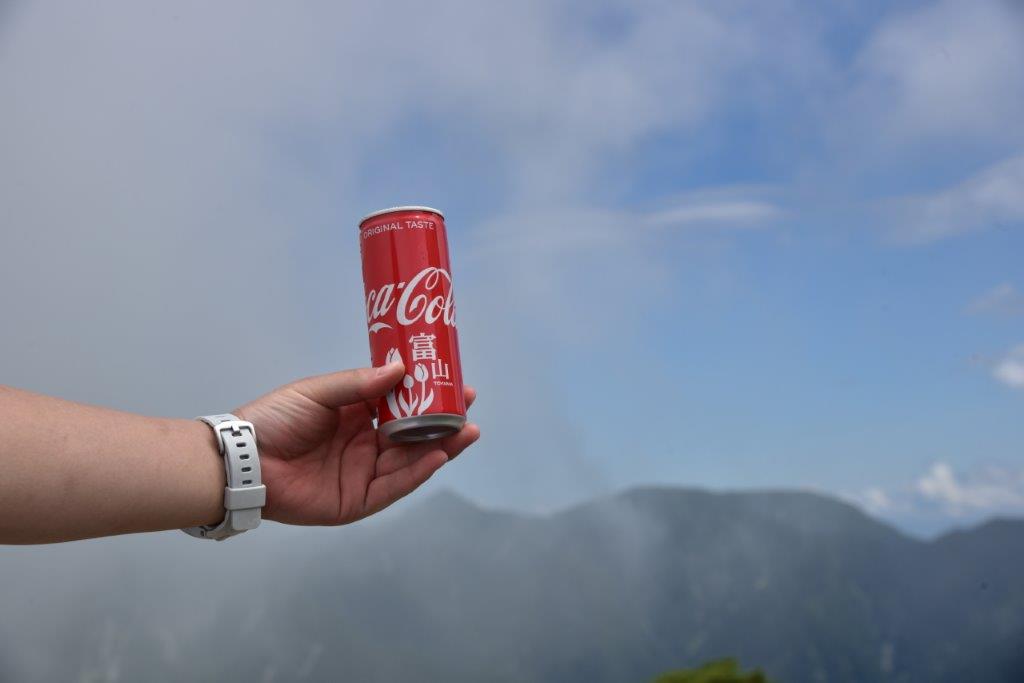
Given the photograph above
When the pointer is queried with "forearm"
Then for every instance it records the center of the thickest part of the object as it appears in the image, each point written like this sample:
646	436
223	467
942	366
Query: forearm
70	471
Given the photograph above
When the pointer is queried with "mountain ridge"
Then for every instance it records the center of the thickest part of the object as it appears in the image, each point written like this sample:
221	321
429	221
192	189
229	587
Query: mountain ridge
806	587
450	497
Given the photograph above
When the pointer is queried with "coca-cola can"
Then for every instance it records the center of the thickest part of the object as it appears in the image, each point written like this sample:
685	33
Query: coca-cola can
410	315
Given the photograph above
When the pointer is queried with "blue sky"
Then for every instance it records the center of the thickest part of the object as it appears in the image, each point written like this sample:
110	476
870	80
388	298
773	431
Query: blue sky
702	243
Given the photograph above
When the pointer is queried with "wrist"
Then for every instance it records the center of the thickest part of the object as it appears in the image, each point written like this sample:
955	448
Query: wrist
244	494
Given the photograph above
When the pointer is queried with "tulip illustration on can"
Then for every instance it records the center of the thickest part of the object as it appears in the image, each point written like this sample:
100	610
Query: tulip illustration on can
410	316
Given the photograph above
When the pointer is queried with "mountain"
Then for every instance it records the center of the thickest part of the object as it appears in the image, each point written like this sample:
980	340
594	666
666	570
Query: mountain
620	589
804	586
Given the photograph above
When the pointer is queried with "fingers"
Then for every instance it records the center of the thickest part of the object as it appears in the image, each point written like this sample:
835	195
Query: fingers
349	386
384	491
397	457
456	443
402	469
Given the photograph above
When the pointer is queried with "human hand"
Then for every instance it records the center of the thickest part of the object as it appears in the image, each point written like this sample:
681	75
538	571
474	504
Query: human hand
323	462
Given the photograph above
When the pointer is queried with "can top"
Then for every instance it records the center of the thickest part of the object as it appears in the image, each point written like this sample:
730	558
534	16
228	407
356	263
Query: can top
399	208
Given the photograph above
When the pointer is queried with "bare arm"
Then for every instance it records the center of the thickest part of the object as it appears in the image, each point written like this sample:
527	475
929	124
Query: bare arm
70	471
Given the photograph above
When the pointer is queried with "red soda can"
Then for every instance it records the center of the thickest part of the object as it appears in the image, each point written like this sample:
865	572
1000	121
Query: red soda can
410	316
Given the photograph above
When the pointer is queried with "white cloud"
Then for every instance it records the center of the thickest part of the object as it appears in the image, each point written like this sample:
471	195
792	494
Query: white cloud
875	500
568	265
139	142
943	496
951	70
1010	368
991	198
987	489
557	230
1003	299
722	214
928	111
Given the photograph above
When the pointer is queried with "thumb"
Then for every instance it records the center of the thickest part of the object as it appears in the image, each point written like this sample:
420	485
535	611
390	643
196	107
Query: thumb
350	386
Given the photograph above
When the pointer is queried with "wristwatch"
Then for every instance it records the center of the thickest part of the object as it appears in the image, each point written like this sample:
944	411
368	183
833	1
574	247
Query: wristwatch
245	493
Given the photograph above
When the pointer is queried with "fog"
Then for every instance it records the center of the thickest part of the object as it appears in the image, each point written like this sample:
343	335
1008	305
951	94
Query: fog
180	191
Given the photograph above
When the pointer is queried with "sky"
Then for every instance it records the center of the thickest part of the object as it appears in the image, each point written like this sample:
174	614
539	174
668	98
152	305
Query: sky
714	244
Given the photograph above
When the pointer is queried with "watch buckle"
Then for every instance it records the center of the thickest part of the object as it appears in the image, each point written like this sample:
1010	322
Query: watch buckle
235	428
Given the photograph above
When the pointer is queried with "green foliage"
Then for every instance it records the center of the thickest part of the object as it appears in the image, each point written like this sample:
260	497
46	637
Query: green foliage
719	671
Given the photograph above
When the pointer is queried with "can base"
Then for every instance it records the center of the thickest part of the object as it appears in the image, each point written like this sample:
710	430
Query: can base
423	427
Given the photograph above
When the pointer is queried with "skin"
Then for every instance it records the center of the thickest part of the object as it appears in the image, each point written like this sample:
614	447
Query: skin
72	471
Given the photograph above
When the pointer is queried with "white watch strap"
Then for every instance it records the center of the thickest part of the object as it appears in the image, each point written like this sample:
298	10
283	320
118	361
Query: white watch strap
244	493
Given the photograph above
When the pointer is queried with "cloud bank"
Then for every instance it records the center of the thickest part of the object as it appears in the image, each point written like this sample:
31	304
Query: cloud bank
960	497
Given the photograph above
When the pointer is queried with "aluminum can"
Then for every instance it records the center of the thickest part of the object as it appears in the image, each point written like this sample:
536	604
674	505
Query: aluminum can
410	315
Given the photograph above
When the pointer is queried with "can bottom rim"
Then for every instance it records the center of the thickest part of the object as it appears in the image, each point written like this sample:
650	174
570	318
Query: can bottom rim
423	427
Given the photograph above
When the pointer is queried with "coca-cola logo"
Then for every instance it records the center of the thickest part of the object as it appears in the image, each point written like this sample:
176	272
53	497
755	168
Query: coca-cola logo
426	297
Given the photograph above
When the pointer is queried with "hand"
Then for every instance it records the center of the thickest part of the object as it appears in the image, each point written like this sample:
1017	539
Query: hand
321	458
